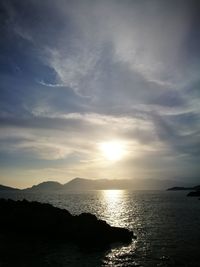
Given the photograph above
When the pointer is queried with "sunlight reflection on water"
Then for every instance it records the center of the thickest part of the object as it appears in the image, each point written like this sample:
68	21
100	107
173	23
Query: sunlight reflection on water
114	207
120	256
115	211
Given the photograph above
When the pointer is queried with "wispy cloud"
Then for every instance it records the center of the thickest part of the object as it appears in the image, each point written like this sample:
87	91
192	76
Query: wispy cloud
76	73
50	84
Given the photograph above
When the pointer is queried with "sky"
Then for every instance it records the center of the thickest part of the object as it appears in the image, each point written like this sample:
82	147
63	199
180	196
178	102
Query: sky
77	76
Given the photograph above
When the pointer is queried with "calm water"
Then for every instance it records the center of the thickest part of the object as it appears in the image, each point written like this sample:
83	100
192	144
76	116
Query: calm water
167	226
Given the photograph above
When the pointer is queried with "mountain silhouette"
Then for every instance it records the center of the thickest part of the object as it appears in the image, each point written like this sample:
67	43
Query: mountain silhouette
82	184
7	188
45	186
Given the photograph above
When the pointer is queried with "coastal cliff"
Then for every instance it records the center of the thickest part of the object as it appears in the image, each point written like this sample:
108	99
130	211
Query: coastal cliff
43	221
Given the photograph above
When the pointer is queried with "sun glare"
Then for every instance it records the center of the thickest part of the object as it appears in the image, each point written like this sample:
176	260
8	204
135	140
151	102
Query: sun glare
112	150
112	194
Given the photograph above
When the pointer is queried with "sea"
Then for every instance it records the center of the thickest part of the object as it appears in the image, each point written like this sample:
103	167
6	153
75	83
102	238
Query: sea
166	225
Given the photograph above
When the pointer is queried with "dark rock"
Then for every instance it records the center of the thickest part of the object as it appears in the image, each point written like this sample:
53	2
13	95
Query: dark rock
194	194
178	188
197	188
43	221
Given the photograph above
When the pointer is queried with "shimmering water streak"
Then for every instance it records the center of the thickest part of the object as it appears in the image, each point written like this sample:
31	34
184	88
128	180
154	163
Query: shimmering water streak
115	206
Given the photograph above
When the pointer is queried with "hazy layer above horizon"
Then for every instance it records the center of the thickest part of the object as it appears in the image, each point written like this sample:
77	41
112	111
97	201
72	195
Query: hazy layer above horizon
99	89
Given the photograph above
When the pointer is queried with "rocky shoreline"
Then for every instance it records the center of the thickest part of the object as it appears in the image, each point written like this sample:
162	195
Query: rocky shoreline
26	220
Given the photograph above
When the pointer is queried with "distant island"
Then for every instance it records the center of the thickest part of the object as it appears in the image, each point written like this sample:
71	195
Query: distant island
179	188
82	184
33	220
194	193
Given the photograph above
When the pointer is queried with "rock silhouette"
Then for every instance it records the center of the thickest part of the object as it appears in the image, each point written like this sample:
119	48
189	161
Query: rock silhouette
194	194
179	188
43	221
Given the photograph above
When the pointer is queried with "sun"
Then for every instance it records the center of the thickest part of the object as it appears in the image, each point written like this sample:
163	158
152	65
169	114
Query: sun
112	150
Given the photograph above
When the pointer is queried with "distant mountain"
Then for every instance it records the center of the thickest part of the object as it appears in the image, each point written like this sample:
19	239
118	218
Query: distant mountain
45	187
7	188
81	184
